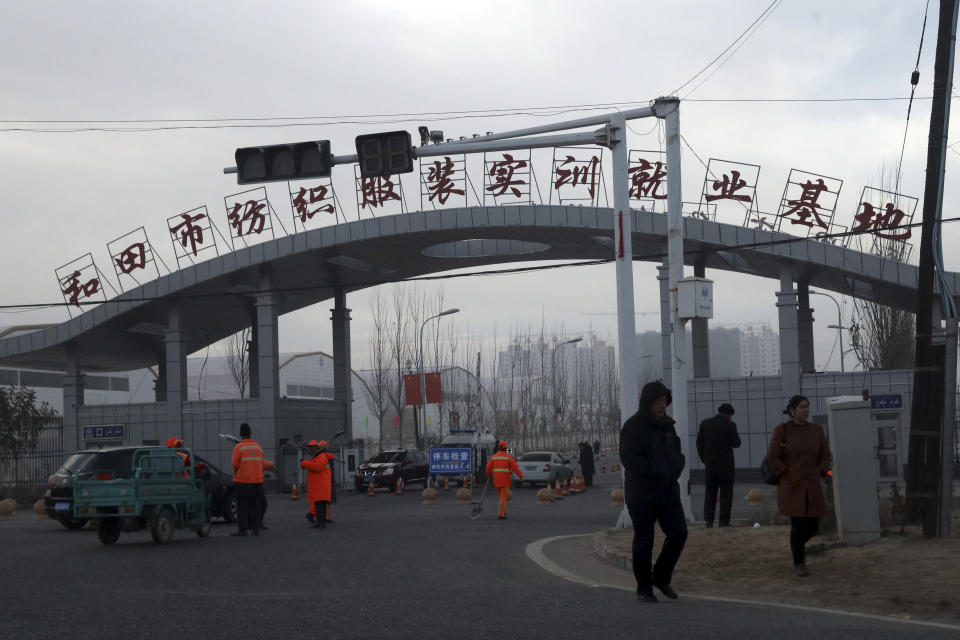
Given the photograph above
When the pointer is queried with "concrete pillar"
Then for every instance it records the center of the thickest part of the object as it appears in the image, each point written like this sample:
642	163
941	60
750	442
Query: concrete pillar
701	337
789	343
805	327
72	401
268	359
342	393
160	383
663	275
175	341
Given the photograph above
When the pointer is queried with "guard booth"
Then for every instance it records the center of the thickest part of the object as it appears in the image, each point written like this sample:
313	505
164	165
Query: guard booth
288	467
865	439
350	460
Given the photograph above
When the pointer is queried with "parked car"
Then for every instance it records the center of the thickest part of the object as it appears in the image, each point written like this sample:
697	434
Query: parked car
384	468
541	467
58	499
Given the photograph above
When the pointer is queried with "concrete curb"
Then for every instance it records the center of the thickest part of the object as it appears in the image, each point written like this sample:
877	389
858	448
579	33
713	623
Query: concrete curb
611	555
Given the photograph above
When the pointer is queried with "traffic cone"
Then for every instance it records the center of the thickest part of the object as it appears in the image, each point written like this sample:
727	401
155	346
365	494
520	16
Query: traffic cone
293	494
557	492
371	491
400	486
566	487
446	483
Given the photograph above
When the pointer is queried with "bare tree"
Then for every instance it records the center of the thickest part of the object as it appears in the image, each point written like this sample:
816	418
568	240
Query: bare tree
235	350
398	349
378	399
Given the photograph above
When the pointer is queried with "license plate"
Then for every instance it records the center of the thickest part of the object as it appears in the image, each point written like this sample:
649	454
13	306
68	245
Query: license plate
62	506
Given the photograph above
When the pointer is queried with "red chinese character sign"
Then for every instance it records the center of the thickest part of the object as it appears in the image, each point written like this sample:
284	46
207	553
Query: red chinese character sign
443	182
808	204
732	186
507	178
133	259
577	176
80	282
882	222
647	176
192	235
250	216
379	194
313	204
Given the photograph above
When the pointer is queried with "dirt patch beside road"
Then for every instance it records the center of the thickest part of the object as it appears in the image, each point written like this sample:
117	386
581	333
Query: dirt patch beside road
904	576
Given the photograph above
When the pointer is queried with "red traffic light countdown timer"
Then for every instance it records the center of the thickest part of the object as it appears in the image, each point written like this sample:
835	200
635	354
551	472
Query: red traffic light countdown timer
384	154
277	162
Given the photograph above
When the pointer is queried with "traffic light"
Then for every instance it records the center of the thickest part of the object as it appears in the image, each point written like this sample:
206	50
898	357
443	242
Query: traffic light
294	161
385	154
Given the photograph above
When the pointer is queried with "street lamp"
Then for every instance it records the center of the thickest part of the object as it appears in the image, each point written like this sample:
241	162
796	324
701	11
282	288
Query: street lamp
837	326
553	387
423	385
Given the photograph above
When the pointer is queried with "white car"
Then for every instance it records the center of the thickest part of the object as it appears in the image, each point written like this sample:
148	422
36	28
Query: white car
540	467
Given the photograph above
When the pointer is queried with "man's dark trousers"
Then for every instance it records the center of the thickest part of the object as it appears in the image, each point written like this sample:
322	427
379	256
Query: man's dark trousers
248	505
722	481
674	526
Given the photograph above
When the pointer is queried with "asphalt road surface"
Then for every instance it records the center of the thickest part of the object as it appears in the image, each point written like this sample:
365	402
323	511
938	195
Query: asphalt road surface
388	567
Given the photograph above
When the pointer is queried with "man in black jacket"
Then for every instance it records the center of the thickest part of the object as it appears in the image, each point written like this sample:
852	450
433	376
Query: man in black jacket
651	455
716	440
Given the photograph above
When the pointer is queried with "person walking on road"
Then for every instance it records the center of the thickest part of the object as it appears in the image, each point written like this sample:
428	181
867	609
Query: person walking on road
501	465
652	458
318	480
799	455
248	482
586	463
716	440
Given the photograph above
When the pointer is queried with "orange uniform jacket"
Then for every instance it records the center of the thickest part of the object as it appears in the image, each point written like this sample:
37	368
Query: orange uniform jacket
499	467
247	462
318	477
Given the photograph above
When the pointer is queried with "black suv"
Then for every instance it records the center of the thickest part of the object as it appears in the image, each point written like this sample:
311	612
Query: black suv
58	500
384	468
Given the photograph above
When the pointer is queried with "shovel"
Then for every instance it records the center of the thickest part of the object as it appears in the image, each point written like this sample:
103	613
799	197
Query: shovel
478	504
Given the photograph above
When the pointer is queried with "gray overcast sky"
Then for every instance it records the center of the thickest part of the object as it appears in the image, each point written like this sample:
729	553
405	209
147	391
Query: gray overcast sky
69	193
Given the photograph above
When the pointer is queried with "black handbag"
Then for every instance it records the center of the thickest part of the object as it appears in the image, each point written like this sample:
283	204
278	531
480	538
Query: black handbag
769	477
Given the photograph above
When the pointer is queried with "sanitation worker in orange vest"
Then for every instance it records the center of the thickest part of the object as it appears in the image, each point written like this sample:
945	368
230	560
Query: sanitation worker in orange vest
318	480
500	466
248	482
173	442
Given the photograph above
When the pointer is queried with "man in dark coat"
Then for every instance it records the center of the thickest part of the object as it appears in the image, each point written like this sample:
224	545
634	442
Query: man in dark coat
716	440
653	460
586	463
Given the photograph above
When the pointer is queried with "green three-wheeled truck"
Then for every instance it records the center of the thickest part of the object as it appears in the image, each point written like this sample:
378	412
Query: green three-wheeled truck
159	494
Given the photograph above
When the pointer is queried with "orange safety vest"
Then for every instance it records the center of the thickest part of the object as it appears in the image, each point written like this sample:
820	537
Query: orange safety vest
247	462
499	467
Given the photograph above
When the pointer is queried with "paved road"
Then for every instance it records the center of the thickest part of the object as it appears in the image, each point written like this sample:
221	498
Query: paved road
388	568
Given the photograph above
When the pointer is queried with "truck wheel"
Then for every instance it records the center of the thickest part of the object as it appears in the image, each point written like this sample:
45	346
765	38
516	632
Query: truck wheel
162	529
108	531
73	524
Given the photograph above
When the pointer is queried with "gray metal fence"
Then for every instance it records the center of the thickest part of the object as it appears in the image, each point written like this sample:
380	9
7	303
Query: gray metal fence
32	469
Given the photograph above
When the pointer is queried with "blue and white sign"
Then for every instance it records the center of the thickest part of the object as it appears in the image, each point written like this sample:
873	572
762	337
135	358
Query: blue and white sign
112	431
451	460
889	401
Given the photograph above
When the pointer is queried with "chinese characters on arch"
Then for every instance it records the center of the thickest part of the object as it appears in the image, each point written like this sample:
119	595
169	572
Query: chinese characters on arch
80	281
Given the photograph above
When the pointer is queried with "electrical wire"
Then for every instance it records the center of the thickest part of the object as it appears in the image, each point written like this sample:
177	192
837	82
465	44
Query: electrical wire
914	80
699	73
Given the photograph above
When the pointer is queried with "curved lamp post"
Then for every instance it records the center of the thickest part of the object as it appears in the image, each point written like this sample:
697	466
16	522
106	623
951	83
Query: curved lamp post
423	386
839	326
553	387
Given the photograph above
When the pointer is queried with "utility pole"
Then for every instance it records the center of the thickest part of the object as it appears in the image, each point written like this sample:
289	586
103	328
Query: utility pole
924	460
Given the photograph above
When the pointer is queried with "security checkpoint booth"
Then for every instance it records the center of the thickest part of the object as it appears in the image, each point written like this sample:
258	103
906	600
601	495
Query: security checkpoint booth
867	445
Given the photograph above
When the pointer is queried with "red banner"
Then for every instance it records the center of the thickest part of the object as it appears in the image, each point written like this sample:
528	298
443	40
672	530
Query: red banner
411	388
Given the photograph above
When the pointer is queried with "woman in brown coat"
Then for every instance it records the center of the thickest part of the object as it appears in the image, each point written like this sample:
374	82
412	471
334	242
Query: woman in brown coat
800	456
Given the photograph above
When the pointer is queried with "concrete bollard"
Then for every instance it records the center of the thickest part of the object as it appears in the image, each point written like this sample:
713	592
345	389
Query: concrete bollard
544	497
429	495
756	497
616	497
463	495
39	510
7	507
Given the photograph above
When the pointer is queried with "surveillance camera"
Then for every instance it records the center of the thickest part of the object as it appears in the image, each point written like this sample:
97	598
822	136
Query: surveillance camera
436	137
424	135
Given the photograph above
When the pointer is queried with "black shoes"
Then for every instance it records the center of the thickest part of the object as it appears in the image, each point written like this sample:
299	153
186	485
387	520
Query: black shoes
646	596
724	524
310	517
501	517
667	590
801	570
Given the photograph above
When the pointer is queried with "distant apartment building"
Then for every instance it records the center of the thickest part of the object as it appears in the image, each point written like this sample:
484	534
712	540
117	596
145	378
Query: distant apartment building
734	351
759	350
